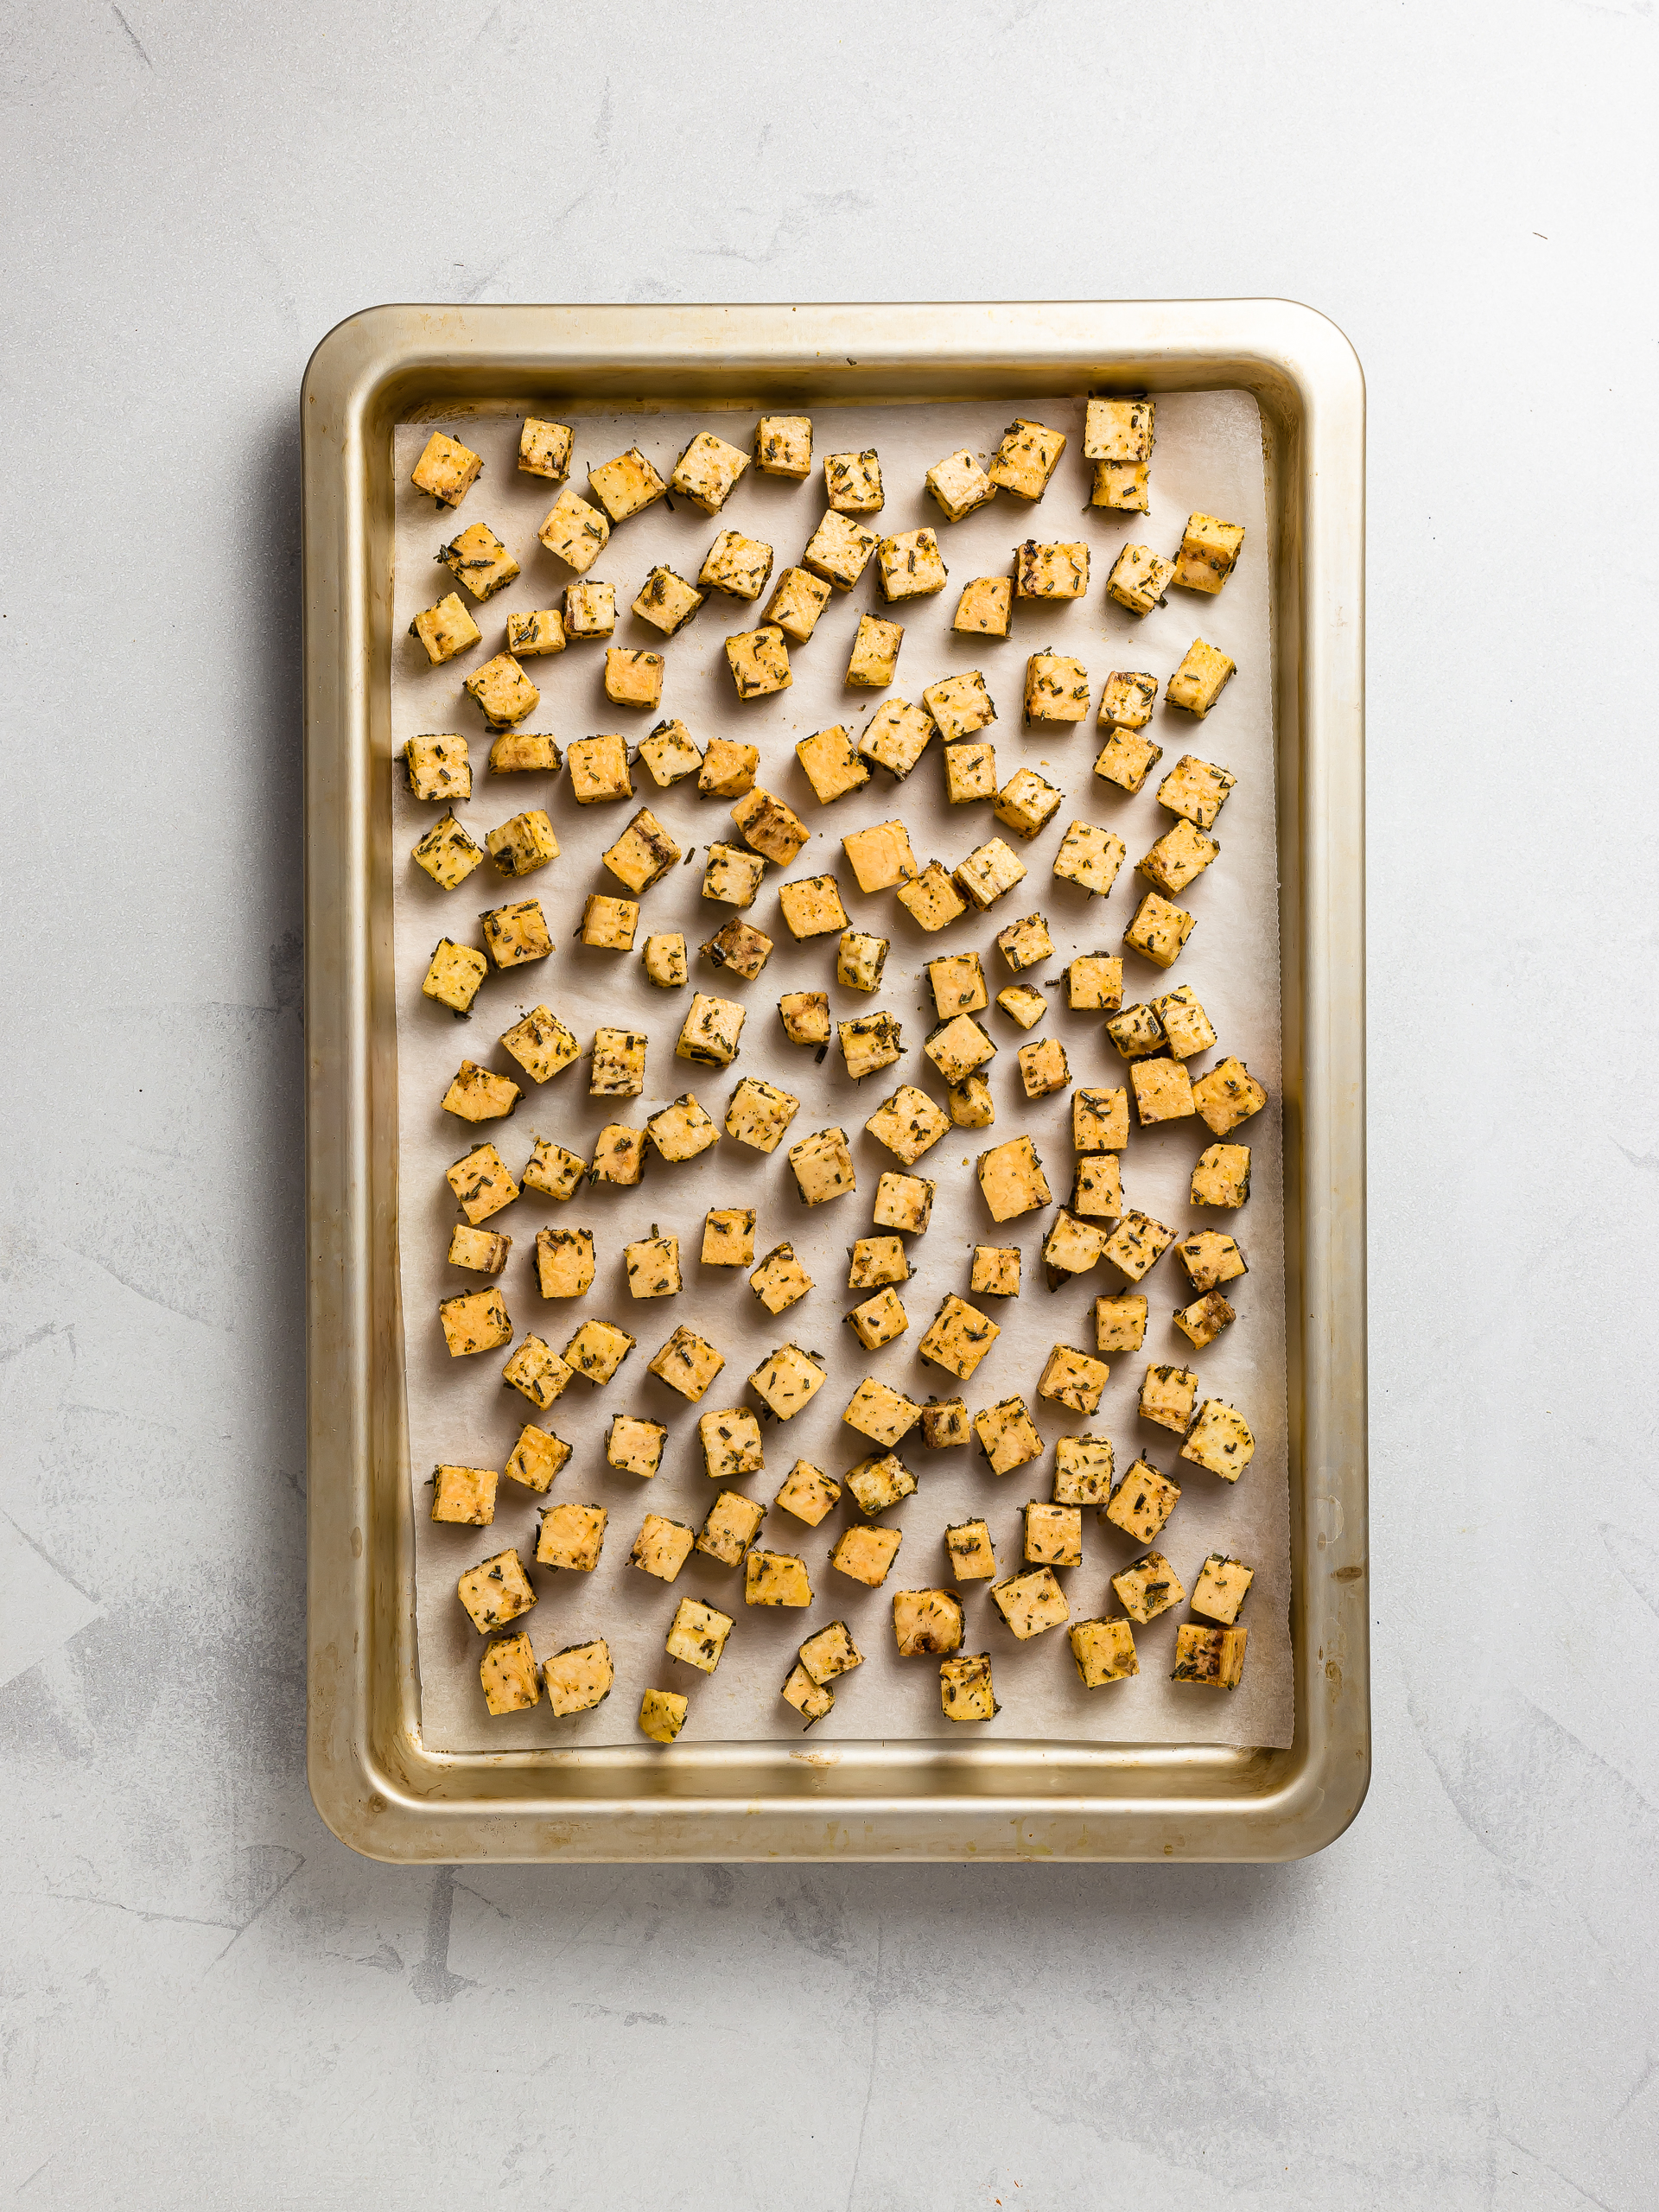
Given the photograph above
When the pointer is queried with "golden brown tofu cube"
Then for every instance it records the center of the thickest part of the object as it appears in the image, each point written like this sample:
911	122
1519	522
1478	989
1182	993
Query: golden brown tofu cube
627	486
579	1678
1099	1119
1059	571
908	1123
1213	1656
985	607
879	1320
1210	1258
1118	429
780	1280
823	1167
1011	1180
536	1372
965	1692
1030	1603
1139	578
571	1537
926	1622
958	1337
453	975
1127	701
874	655
1104	1652
632	678
1008	1435
808	1493
959	1047
447	470
597	1349
931	898
995	1271
759	1112
1203	1321
438	766
634	1446
1179	856
1198	681
509	1675
959	485
878	1482
727	770
884	1414
574	532
667	601
653	1265
729	1528
481	1184
544	447
564	1261
1219	1439
670	753
478	1094
478	559
776	1579
860	959
1197	790
896	736
711	1030
773	827
520	846
1054	1534
806	1017
1222	1176
728	1236
447	853
1093	983
831	1652
1071	1247
989	872
1137	1244
1151	1586
697	1634
960	705
1082	1470
875	1261
662	1714
1097	1187
1168	1397
1124	486
1221	1587
811	907
910	565
1072	1379
1141	1502
1127	759
810	1699
945	1424
865	1555
731	1444
881	856
1090	857
502	692
783	445
495	1591
481	1251
681	1130
1158	930
838	550
903	1202
619	1155
1162	1091
706	472
688	1363
852	482
464	1495
957	982
969	1548
522	752
1043	1067
1209	548
1121	1322
445	630
1056	689
799	598
1226	1096
1026	458
736	565
832	764
599	770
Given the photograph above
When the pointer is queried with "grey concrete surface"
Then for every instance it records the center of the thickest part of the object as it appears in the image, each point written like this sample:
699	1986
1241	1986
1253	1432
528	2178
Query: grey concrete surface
207	2002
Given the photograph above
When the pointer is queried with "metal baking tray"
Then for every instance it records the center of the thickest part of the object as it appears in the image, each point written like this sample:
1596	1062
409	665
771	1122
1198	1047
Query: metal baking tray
376	1783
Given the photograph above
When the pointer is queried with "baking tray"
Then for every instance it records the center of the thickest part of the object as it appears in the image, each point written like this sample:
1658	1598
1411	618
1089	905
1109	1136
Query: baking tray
376	1785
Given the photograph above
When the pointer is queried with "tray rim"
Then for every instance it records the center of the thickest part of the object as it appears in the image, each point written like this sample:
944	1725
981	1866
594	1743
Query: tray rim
374	1784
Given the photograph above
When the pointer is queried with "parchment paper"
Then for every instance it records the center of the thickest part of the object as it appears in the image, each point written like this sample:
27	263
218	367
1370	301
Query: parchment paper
1209	456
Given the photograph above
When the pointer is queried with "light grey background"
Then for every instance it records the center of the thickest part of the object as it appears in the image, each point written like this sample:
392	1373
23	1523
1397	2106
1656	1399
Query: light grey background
206	2001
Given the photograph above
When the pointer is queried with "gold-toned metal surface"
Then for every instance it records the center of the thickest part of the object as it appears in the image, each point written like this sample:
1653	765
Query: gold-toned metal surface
375	1782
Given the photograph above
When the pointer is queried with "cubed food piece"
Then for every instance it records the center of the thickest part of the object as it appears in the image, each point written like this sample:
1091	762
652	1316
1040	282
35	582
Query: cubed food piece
1050	571
1024	943
1127	704
1100	1121
879	1320
1198	681
508	1674
572	1537
1056	689
852	482
1203	1321
643	855
884	1414
743	949
1094	983
662	1714
1097	1187
733	876
1187	1028
908	1123
1044	1067
544	447
522	752
1082	1469
1219	1439
597	1349
810	1699
776	1579
478	559
759	660
501	691
688	1363
896	736
959	485
959	1047
881	856
931	898
1179	855
1071	1247
653	1265
959	1336
865	1555
618	1065
945	1424
495	1591
1011	1180
711	1030
697	1634
447	853
831	1652
874	656
681	1130
1026	458
542	1044
1141	1502
446	629
1054	1534
806	1017
989	871
738	566
860	959
967	1545
1127	759
536	1372
1008	1435
1118	429
731	1444
1168	1397
1209	548
515	935
1158	930
1090	857
729	1526
1151	1586
823	1167
728	1236
1226	1096
838	550
1162	1091
1032	1602
995	1271
556	1172
797	599
1104	1651
869	1044
1137	1244
1137	1031
1213	1656
926	1621
1210	1258
447	470
627	486
783	445
564	1261
664	955
481	1184
774	828
780	1280
579	1678
808	1493
969	773
1022	1004
1138	579
635	1446
1222	1176
875	1261
608	924
464	1495
453	975
481	1251
1197	790
759	1112
787	1381
666	601
811	907
965	1692
878	1482
706	470
910	565
1121	485
957	982
903	1202
1121	1322
1073	1379
985	607
831	762
619	1155
670	753
1221	1587
478	1094
438	768
599	770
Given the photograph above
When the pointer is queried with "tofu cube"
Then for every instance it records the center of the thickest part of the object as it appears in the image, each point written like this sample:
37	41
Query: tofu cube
1168	1397
664	956
495	1591
958	982
447	853
945	1424
759	1112
865	1555
536	1372
988	873
607	924
1227	1095
465	1495
1118	429
1043	1067
1011	1180
896	736
832	765
599	771
776	1579
903	1202
787	1381
838	550
1008	1435
797	599
1082	1469
860	959
634	1446
728	1236
960	705
995	1271
959	1336
697	1634
445	630
1179	855
908	1123
729	1526
1026	458
523	753
481	1251
1198	681
926	1622
1222	1176
1023	944
589	610
662	1714
1162	1091
1210	1258
931	898
536	633
1121	1322
1159	930
668	754
774	828
1028	802
874	656
438	768
780	1280
965	1692
1203	1321
597	1349
632	678
823	1167
884	1414
653	1266
783	445
1121	485
969	1549
681	1130
517	934
831	1652
759	660
554	1171
809	1698
478	559
447	470
1100	1121
808	1493
571	1537
806	1017
1127	702
1151	1586
1097	1187
1141	1502
1214	1656
687	1363
544	447
881	856
732	876
878	1482
910	566
1030	1603
1054	1534
986	608
478	1094
1071	1247
481	1184
706	472
1127	759
731	1444
579	1678
537	1457
1022	1004
618	1065
959	485
876	1260
869	1044
811	907
667	601
1221	1587
1050	571
736	565
627	486
1103	1651
524	844
1208	550
508	1674
564	1261
1138	579
1090	857
743	949
1056	689
1137	1031
711	1030
852	482
1219	1439
879	1320
1187	1028
619	1155
1197	790
1072	1379
1137	1244
453	975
